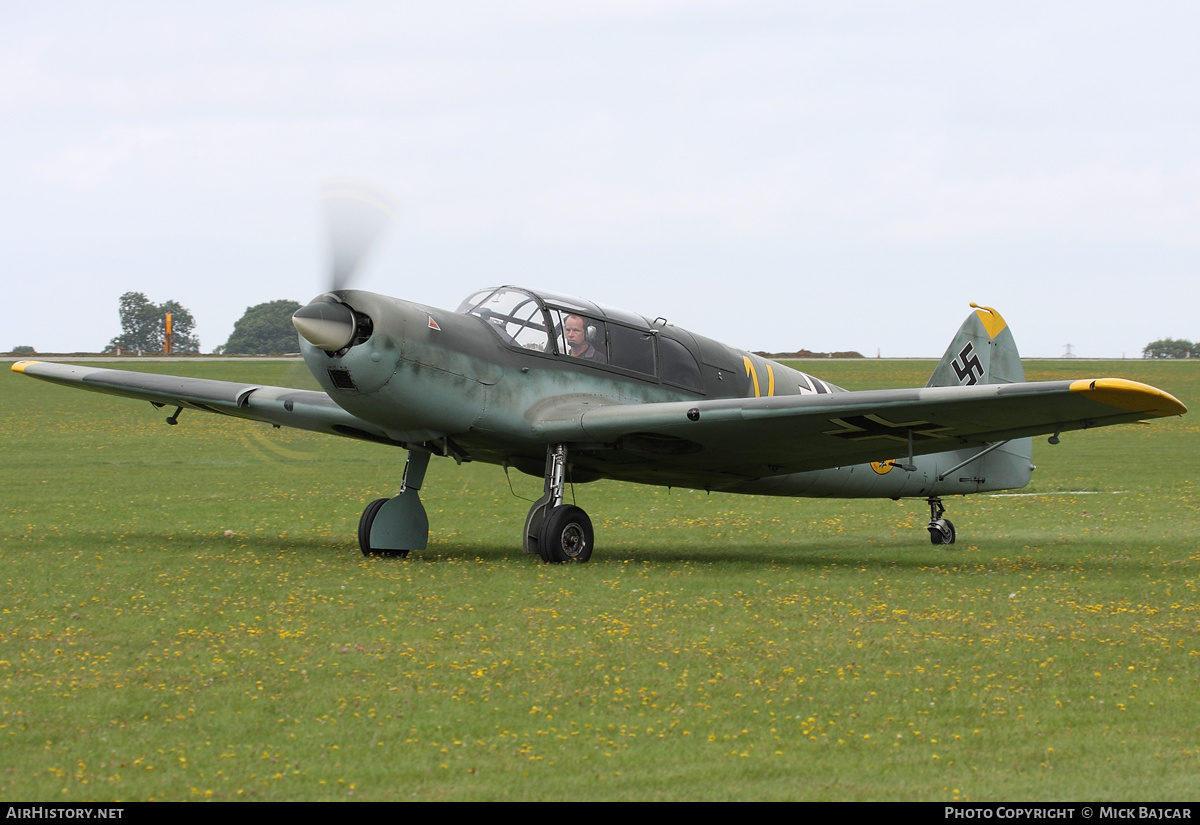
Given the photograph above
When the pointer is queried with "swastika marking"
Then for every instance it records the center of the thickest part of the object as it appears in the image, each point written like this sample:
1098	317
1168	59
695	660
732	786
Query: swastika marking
969	370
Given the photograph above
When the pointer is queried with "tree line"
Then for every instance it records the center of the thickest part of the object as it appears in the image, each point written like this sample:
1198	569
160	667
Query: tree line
263	329
1170	348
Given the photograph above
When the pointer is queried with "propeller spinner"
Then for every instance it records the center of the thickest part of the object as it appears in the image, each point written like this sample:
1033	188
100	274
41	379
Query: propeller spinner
325	323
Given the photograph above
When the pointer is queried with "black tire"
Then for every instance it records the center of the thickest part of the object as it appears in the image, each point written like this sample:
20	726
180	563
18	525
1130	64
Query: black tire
566	535
941	531
364	532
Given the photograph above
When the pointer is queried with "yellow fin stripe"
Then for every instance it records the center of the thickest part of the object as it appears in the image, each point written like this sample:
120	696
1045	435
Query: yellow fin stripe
1130	395
992	321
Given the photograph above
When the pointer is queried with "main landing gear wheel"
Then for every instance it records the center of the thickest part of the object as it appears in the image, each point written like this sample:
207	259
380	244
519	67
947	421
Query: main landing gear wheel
566	535
364	532
941	530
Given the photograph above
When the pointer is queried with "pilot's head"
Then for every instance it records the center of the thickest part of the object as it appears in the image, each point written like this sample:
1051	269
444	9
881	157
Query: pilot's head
575	329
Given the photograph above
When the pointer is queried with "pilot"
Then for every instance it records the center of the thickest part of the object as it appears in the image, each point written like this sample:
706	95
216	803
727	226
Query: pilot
577	343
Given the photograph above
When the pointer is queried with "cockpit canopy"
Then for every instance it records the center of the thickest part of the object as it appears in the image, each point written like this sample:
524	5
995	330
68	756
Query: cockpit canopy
560	325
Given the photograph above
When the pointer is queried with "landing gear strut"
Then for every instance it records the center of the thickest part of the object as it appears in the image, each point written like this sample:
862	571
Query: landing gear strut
941	530
555	531
392	527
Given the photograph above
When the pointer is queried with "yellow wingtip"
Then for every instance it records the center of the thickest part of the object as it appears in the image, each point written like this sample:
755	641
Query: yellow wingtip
20	366
1130	395
992	320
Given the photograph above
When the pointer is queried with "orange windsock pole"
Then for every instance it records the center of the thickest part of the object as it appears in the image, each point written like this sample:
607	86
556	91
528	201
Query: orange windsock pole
167	338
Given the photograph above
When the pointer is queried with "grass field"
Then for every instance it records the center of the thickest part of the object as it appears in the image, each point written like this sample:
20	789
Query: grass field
717	647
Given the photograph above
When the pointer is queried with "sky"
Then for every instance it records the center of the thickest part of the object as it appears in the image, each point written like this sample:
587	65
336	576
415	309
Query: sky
775	175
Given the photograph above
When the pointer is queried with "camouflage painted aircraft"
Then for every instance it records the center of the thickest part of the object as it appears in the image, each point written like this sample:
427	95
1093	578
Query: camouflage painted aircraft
572	391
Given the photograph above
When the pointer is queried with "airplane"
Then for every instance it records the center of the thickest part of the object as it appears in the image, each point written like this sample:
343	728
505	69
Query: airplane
495	381
572	391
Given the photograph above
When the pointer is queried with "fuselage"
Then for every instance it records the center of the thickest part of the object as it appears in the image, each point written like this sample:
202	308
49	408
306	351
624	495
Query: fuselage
472	383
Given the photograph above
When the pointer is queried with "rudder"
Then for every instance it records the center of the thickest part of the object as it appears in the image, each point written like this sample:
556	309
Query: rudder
982	352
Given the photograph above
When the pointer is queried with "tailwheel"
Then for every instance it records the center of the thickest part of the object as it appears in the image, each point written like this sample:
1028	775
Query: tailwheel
566	535
941	530
364	532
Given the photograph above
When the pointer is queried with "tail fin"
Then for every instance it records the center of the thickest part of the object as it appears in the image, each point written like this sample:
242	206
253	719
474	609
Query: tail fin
983	352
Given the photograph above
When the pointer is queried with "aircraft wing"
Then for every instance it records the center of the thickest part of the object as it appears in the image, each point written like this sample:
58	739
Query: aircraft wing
281	406
756	437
